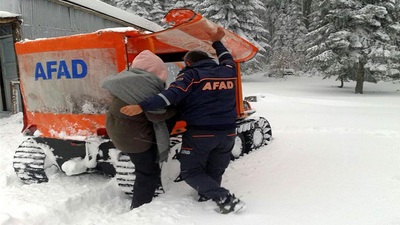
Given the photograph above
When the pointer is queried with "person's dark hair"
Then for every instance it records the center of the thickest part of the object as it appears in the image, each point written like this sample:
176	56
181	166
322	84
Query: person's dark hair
195	56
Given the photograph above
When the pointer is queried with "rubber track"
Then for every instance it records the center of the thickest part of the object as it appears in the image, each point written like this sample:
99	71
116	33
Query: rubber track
247	126
29	161
174	143
125	174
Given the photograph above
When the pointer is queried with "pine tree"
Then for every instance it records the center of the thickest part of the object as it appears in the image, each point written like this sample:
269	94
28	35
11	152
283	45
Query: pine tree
288	29
357	40
158	12
110	2
168	5
307	10
133	6
243	18
289	26
182	4
152	10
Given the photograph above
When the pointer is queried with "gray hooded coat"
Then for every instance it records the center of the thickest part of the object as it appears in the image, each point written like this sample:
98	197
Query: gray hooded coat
135	134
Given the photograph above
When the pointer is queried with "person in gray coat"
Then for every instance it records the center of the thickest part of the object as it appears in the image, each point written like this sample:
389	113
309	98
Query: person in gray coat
144	137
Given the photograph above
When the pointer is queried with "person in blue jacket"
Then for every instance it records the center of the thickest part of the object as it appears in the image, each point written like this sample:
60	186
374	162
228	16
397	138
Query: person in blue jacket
206	92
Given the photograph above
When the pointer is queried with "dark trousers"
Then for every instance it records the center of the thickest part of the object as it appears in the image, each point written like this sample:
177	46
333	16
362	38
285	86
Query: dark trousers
204	157
147	175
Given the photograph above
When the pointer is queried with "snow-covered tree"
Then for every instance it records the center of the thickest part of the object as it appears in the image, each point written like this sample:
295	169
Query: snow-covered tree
307	10
133	6
182	4
152	10
309	7
110	2
243	18
287	28
357	40
158	12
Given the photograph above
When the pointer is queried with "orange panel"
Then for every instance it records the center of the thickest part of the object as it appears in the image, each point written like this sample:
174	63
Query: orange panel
239	93
65	126
82	47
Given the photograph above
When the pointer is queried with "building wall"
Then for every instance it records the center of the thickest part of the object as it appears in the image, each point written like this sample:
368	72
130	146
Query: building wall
44	19
8	65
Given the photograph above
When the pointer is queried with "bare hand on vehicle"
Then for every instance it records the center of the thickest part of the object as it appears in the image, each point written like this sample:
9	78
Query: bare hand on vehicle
218	35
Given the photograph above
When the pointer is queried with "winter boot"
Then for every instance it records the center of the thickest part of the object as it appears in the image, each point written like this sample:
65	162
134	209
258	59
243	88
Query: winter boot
230	204
135	205
159	189
203	198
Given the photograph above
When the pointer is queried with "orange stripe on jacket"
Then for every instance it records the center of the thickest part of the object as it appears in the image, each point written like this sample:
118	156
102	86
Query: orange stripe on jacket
185	90
229	78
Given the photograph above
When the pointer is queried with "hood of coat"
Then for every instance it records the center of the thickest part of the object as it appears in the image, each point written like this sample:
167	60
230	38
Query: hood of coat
148	61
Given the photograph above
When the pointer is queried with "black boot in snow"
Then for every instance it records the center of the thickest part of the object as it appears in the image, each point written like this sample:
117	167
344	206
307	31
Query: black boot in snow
230	204
159	189
203	198
135	205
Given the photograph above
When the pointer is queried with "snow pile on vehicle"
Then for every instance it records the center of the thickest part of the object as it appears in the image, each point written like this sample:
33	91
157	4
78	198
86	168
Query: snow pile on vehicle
80	165
4	14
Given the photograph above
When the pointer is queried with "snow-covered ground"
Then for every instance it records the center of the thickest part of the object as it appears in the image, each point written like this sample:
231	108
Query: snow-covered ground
335	159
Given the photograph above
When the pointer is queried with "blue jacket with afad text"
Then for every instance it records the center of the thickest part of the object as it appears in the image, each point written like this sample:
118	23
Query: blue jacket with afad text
206	92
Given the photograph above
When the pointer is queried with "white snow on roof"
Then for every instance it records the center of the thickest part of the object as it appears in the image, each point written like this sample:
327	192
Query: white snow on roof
117	13
118	29
4	14
121	30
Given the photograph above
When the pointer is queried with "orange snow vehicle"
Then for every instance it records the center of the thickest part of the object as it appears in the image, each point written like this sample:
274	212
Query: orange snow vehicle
65	108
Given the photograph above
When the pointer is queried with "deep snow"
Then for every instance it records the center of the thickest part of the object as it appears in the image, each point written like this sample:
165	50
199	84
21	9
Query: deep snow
335	159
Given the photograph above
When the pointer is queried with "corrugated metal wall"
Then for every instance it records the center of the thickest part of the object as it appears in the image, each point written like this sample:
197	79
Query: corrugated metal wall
43	19
12	6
